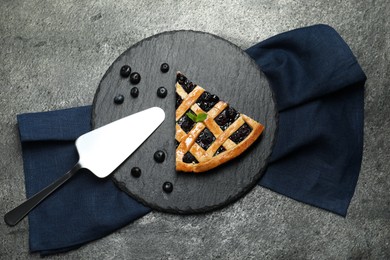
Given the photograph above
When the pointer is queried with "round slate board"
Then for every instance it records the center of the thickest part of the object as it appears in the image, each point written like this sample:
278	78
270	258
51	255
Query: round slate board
219	67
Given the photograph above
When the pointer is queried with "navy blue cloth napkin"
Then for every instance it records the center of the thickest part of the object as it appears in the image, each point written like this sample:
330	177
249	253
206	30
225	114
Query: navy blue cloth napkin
319	89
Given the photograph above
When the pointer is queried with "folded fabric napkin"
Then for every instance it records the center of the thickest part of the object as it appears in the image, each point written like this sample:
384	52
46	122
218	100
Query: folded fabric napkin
319	88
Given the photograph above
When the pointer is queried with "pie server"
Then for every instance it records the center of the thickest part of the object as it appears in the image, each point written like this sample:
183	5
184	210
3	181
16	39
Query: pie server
101	151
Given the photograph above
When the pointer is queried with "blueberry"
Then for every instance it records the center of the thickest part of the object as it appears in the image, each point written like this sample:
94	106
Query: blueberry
134	92
162	92
119	99
125	71
135	77
159	156
167	187
136	172
164	68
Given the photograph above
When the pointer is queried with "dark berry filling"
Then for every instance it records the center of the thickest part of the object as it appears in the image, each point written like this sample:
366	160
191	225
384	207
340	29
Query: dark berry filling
241	133
220	150
178	100
189	158
205	139
226	117
186	123
187	85
181	79
206	101
176	143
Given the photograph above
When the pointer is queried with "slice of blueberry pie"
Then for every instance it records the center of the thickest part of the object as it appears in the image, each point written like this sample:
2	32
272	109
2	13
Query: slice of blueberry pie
209	132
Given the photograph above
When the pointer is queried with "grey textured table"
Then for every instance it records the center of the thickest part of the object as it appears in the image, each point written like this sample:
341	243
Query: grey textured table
53	55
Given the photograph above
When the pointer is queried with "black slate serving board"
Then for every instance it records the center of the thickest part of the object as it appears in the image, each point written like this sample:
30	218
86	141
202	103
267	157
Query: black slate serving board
222	69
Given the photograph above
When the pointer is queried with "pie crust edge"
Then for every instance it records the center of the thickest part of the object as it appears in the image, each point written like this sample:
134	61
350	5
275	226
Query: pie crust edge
221	158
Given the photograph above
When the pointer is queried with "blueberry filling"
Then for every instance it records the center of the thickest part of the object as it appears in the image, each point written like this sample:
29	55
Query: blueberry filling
220	150
241	133
205	139
188	86
176	143
226	117
186	123
178	100
189	158
181	79
206	101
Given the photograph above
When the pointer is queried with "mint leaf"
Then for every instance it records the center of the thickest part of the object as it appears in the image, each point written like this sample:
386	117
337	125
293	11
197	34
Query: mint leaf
192	116
201	117
196	118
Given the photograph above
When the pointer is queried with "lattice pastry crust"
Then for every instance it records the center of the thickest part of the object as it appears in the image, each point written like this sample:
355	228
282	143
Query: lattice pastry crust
222	136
